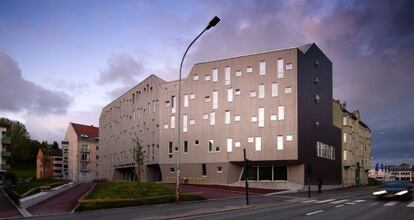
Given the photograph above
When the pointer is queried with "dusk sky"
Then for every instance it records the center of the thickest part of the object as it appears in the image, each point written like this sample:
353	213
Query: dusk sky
62	61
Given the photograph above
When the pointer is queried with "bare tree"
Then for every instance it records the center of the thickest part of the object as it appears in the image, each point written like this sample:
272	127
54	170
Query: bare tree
46	161
138	156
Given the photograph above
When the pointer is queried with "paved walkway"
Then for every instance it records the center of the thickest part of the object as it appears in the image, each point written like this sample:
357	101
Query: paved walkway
61	203
7	209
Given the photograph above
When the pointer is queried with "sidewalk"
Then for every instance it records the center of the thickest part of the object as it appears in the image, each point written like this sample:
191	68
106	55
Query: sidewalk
61	203
7	209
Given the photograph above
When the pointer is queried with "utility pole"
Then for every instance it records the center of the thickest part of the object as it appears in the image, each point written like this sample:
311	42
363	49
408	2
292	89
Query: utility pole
309	173
245	176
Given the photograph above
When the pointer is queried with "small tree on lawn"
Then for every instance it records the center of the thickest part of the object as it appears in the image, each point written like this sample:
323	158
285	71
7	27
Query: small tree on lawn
138	156
46	160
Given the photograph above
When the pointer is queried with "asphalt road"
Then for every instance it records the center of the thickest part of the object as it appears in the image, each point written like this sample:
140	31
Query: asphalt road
353	203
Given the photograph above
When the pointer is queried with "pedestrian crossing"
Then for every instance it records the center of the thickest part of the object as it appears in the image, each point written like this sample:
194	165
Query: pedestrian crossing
344	202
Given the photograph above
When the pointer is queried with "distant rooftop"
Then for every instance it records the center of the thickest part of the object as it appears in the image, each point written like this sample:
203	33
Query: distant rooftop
87	131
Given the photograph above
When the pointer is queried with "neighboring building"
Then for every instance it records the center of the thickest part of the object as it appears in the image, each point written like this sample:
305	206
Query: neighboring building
65	162
356	145
402	172
49	163
82	142
380	175
5	141
277	105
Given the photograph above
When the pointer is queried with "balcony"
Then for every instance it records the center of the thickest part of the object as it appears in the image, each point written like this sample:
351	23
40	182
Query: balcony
5	167
6	139
5	153
84	150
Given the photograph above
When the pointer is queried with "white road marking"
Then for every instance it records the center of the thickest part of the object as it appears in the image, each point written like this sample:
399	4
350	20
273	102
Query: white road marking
339	206
360	200
373	203
327	200
307	201
350	203
315	212
411	205
340	201
392	203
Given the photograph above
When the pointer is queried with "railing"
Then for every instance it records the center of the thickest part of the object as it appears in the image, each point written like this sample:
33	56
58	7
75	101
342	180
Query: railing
84	150
5	153
6	139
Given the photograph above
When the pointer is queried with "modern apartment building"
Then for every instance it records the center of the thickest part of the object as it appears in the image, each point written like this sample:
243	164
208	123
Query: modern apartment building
82	142
4	154
356	145
277	105
402	172
65	161
49	163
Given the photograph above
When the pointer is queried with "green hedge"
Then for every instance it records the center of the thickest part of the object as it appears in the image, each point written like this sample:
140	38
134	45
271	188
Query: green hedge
93	204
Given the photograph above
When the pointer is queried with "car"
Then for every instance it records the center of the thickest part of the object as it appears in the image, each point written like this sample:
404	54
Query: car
394	190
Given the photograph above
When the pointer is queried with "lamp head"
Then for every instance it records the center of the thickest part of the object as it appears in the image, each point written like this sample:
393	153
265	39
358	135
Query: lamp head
213	22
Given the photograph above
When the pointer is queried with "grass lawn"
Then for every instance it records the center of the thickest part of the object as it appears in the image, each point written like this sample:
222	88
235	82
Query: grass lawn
126	190
23	170
25	187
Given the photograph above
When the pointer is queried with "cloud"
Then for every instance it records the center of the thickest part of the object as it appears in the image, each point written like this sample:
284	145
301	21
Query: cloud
18	94
122	68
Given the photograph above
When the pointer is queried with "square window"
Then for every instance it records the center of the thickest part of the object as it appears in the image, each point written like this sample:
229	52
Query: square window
237	92
288	90
165	126
192	122
254	119
195	77
250	140
217	149
219	169
289	137
237	144
205	116
252	93
249	69
207	99
273	117
238	73
237	118
207	77
172	170
192	96
196	142
289	66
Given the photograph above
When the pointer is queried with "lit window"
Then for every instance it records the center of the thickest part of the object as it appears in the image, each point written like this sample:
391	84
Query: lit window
230	95
214	74
345	156
229	145
237	118
205	116
215	99
185	126
238	73
227	117
173	103
250	140
212	118
207	77
289	66
252	93
281	112
261	91
192	122
344	121
254	119
273	117
288	90
274	89
192	96
317	98
227	76
280	68
172	121
207	99
262	68
237	92
325	151
258	143
165	126
249	69
237	144
210	145
345	137
261	117
219	169
289	137
185	100
280	142
195	77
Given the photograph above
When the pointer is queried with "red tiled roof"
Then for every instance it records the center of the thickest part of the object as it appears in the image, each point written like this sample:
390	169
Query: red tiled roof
89	130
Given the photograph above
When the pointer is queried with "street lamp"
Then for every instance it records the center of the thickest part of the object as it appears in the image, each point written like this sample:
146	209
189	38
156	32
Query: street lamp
211	24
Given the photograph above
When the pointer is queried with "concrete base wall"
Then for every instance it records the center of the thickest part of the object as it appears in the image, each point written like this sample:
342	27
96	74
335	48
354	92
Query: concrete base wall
42	196
275	185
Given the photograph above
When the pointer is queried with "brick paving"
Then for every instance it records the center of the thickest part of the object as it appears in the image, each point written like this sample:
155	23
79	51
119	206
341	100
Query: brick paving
7	209
61	203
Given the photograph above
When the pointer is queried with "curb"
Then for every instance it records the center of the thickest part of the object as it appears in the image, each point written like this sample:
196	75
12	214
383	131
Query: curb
23	212
204	212
82	197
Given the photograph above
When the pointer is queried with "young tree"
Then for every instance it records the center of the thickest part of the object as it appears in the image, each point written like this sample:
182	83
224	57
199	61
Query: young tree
138	155
46	159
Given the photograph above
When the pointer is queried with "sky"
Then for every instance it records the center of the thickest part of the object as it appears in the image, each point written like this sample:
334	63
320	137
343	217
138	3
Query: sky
63	61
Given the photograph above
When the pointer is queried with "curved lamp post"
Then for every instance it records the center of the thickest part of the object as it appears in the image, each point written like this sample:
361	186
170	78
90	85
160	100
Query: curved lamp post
211	24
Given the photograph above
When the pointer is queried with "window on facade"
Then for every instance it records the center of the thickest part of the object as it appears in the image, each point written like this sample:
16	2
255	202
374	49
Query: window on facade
250	140
252	93
261	117
205	116
195	77
279	142
229	145
345	137
215	99
192	96
258	143
289	66
274	89
280	173
281	112
210	145
172	122
280	68
172	170
227	76
237	118
237	92
249	69
185	100
170	147
237	144
165	126
344	120
192	122
204	169
185	124
288	90
207	77
345	156
207	98
212	118
262	68
289	137
251	174
214	74
185	146
261	91
238	73
227	117
265	173
219	169
254	119
273	117
230	95
217	148
325	151
196	142
173	103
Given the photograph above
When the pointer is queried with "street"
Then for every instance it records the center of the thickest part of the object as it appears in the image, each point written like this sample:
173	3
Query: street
352	203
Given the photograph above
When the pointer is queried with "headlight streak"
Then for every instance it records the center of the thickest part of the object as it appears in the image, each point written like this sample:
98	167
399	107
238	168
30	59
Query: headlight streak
379	193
